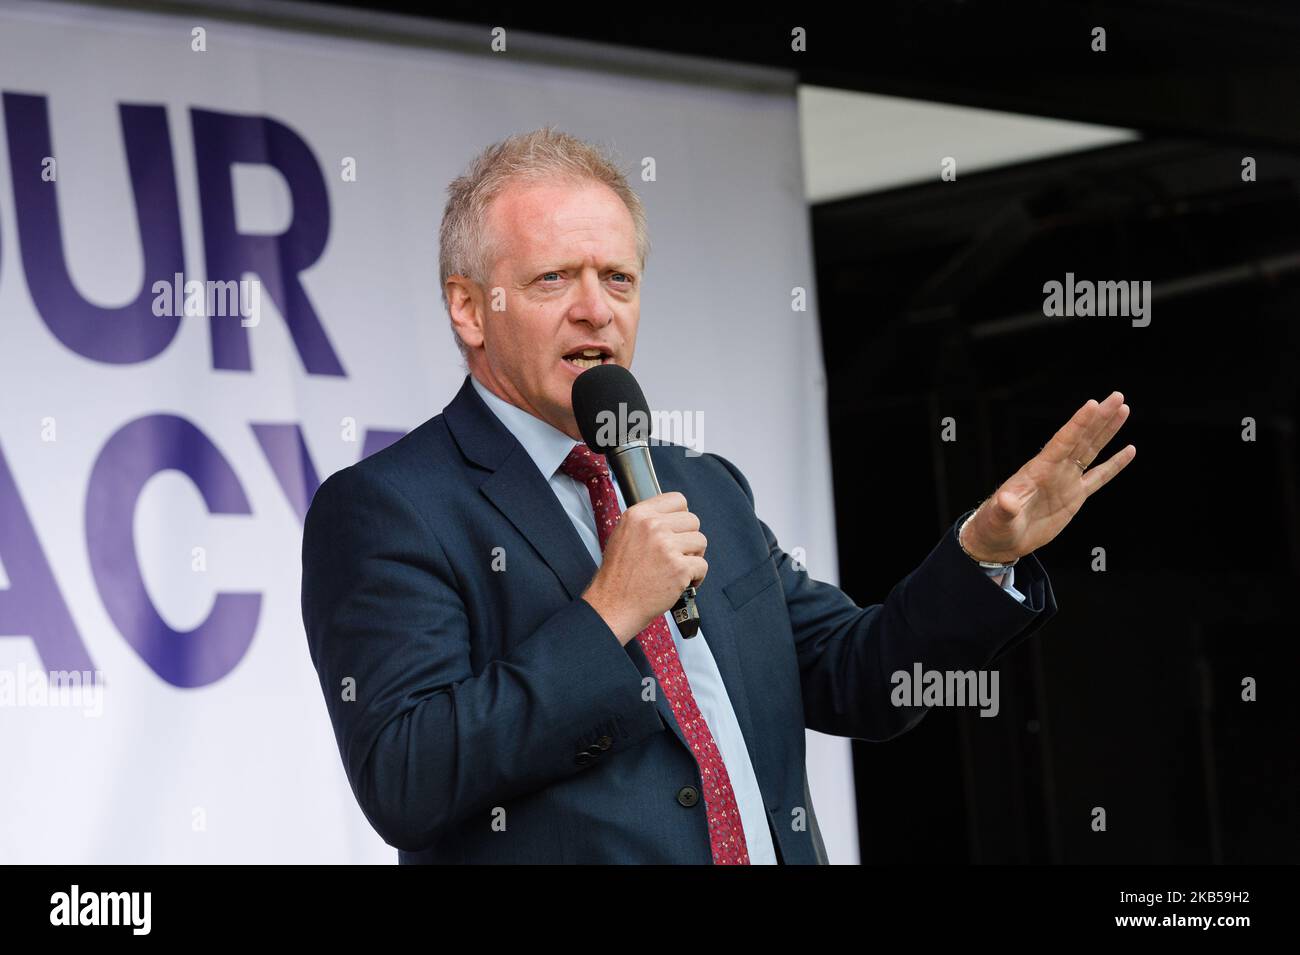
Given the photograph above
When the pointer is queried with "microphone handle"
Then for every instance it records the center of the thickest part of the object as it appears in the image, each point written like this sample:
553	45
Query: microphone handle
635	473
686	614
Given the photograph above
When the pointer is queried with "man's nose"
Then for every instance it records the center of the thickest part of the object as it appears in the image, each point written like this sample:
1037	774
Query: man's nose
591	306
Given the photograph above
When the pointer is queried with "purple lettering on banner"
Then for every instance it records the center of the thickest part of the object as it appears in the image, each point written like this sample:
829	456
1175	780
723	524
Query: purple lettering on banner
220	141
285	449
33	605
116	335
134	454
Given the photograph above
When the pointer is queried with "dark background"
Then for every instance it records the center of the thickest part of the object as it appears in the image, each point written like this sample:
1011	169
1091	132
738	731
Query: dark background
930	300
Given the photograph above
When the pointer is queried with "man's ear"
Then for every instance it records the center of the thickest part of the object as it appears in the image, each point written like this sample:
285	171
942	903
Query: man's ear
465	305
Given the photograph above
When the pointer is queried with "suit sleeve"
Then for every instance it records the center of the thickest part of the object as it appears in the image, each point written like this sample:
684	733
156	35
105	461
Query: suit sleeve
944	615
426	742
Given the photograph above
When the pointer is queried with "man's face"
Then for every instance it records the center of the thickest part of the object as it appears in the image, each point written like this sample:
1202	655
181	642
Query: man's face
567	263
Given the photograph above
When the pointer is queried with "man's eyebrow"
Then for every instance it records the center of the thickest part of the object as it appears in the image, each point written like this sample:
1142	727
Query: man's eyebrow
608	267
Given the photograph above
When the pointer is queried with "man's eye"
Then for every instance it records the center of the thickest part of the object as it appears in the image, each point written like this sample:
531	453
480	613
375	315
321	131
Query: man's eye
625	276
545	274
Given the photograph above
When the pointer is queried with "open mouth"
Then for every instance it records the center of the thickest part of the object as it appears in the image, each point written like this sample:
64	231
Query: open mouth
585	358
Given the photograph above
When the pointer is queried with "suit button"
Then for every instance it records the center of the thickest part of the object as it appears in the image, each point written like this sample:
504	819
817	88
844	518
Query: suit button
688	796
583	758
604	742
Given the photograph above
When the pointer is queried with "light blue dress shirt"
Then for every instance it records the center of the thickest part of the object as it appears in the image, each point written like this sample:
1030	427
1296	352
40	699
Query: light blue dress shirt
1007	581
548	447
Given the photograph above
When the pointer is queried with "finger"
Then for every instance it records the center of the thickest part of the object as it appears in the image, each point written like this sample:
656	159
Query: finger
1096	436
1113	424
1009	500
666	502
1065	440
1096	478
680	522
699	568
692	542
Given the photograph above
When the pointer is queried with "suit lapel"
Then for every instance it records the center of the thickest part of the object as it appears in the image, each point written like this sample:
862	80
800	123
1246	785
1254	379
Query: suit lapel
517	489
521	493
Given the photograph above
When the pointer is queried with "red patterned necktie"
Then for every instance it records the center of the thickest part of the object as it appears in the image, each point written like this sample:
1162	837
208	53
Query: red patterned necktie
726	834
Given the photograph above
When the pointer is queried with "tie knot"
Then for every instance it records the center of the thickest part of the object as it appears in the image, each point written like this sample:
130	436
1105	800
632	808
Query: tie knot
585	465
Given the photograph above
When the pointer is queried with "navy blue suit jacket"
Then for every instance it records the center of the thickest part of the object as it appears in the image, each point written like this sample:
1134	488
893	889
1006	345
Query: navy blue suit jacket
488	714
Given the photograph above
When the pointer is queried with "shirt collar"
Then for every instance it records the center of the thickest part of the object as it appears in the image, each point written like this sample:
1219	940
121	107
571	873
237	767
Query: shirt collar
546	445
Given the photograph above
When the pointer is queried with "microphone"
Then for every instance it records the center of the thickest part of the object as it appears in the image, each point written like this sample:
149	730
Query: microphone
614	419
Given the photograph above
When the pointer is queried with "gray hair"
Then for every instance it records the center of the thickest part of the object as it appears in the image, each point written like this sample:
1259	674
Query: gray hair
465	248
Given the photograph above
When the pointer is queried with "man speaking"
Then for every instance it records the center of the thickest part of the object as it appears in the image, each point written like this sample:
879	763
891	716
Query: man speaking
489	619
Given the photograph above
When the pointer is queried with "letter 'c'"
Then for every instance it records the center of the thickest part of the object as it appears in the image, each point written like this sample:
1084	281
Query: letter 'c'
134	454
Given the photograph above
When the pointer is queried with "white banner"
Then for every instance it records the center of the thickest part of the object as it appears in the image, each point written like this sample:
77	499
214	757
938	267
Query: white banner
159	442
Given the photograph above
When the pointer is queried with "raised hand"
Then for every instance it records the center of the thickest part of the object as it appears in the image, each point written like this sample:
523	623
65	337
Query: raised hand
1034	504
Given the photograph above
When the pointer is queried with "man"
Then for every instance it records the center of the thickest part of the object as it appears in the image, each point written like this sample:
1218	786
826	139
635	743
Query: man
488	618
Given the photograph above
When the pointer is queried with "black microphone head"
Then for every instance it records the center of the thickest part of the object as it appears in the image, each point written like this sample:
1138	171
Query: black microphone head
610	408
